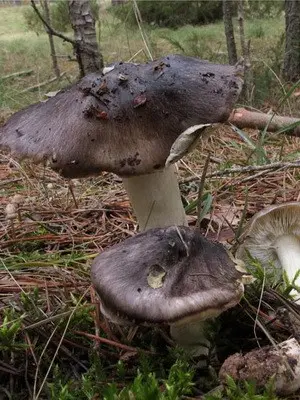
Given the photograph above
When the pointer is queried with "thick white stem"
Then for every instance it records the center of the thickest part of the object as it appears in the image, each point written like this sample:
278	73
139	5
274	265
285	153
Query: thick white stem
156	199
192	337
288	251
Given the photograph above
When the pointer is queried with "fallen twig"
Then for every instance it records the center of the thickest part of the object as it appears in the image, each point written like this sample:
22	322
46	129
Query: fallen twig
112	343
17	74
243	118
243	170
39	85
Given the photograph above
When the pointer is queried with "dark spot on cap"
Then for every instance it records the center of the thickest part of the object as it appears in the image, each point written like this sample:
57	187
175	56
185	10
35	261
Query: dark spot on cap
139	290
19	133
233	84
133	161
123	163
218	91
156	166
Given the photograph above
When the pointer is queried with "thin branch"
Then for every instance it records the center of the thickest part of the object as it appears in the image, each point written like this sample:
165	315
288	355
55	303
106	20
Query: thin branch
50	29
112	343
17	74
243	118
140	22
41	84
243	170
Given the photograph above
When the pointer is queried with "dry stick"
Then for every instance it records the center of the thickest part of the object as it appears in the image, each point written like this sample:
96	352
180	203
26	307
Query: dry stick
39	85
70	188
42	224
243	170
243	118
17	74
201	190
112	343
139	21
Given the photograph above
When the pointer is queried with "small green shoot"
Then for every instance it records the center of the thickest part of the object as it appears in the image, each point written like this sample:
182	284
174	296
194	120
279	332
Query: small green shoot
243	391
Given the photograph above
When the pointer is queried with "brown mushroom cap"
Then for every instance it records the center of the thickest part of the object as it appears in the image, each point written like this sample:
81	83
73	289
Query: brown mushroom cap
165	275
126	120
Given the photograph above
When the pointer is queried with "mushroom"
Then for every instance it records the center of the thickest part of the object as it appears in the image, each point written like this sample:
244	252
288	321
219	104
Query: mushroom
280	362
125	122
273	238
170	275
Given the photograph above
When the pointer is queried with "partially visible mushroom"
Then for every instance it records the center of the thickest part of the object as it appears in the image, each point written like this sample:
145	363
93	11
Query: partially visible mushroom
273	238
169	276
126	122
282	363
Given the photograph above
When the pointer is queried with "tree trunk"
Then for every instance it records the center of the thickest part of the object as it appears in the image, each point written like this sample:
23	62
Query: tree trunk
229	31
83	23
51	41
246	52
292	42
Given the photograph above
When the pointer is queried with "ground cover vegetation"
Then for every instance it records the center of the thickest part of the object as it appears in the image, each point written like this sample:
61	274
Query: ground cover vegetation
54	342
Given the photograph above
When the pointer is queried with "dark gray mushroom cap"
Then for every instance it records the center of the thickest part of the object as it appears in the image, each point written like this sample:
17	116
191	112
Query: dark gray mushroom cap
126	120
165	275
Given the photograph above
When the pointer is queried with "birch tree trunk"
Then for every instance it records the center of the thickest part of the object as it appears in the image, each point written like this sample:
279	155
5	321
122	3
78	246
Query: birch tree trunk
245	51
292	42
229	31
87	53
51	41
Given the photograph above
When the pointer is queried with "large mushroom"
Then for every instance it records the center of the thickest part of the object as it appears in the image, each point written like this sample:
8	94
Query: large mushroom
125	121
169	275
273	238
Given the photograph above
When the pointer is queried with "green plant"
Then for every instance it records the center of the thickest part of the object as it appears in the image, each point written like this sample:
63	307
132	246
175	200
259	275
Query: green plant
195	43
145	386
169	13
263	8
9	332
243	391
257	31
257	148
59	16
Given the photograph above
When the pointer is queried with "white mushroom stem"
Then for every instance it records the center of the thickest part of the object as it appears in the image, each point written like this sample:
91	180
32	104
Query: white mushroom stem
192	337
288	251
156	199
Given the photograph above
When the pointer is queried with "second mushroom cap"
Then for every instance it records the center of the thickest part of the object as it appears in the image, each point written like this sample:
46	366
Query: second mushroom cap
166	275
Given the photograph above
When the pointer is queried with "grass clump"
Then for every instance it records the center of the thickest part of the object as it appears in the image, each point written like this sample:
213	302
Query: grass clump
145	386
243	391
170	14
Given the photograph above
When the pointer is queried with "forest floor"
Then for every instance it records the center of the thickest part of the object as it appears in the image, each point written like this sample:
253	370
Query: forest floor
54	343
